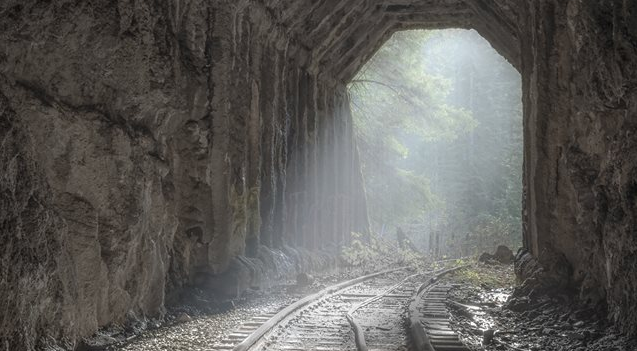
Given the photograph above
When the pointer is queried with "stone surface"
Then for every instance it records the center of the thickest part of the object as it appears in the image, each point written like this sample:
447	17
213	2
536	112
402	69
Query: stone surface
579	68
542	323
183	317
504	255
144	145
526	265
304	279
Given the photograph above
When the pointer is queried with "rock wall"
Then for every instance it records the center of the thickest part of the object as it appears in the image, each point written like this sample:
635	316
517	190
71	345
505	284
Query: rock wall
145	144
579	65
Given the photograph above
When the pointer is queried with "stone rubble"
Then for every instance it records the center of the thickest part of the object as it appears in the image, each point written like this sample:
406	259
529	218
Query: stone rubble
504	321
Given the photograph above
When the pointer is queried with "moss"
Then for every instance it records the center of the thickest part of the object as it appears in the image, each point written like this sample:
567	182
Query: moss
372	250
490	277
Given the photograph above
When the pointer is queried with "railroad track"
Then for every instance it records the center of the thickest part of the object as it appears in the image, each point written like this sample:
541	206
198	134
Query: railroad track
374	307
379	322
324	326
319	322
430	319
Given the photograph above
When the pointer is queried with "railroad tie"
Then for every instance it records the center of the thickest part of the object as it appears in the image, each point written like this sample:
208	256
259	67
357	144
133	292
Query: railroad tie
435	319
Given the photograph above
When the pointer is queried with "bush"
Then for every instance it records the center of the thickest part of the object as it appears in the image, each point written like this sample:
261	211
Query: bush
371	250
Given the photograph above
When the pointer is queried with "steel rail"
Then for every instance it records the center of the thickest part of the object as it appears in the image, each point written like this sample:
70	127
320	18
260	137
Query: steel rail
255	336
419	335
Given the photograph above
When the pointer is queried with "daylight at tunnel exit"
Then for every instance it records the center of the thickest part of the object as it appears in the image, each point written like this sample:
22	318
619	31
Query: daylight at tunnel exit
318	175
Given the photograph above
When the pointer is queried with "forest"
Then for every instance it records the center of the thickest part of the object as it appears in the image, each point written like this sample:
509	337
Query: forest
438	122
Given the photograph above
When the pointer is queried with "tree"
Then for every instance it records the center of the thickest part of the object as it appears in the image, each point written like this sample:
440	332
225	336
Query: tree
439	127
397	105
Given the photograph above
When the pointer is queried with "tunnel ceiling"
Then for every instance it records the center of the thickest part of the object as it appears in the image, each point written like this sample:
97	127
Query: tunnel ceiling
335	38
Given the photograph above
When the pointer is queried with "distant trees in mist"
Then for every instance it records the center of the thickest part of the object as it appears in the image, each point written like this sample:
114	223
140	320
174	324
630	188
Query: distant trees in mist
438	118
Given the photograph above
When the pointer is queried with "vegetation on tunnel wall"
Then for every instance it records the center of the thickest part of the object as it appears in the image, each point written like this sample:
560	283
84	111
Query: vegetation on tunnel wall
438	118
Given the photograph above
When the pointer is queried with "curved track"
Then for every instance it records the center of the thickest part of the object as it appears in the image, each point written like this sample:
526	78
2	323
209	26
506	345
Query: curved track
379	322
366	313
322	325
430	322
260	328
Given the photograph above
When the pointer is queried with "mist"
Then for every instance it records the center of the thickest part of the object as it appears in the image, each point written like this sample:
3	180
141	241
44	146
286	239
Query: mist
438	123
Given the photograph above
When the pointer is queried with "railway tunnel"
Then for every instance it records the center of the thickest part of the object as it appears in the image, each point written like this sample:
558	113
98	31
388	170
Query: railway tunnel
152	146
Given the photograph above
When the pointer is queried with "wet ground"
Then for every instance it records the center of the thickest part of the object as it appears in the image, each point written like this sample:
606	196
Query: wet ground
488	318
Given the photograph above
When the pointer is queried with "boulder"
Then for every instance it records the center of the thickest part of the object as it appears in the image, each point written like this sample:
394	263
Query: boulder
304	279
503	255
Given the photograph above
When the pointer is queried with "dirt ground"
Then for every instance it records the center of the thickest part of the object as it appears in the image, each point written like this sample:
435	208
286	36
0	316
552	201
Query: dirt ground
489	316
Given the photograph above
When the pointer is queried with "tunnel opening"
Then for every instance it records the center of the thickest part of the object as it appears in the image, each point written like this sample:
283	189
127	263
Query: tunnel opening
438	122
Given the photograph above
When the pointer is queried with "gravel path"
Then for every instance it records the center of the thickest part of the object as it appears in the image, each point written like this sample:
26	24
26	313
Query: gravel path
203	332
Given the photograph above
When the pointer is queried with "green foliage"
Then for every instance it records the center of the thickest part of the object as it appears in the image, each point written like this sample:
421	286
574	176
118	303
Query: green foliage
479	176
487	276
372	250
359	252
438	119
394	102
491	231
460	262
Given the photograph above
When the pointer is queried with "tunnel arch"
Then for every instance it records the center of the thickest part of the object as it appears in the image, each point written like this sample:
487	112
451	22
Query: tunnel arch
330	41
339	36
550	43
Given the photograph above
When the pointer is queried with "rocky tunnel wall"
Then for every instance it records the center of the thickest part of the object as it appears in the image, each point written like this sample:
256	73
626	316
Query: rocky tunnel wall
146	144
579	69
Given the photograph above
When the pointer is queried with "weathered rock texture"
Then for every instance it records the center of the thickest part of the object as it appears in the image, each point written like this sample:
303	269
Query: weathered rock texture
147	144
579	66
144	144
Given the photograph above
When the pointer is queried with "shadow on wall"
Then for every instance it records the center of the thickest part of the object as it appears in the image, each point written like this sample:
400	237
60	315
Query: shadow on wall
268	268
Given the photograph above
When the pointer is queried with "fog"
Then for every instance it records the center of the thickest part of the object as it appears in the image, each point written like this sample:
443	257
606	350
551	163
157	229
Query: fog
438	121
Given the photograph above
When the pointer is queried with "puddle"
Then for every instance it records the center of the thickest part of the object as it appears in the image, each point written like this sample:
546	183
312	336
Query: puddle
496	296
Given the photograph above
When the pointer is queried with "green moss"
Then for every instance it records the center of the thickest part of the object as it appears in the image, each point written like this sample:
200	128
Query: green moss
377	251
487	276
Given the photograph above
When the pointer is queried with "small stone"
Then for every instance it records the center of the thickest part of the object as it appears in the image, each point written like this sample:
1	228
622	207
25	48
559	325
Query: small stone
100	340
530	314
576	335
486	257
487	336
304	279
475	332
519	304
504	255
183	317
